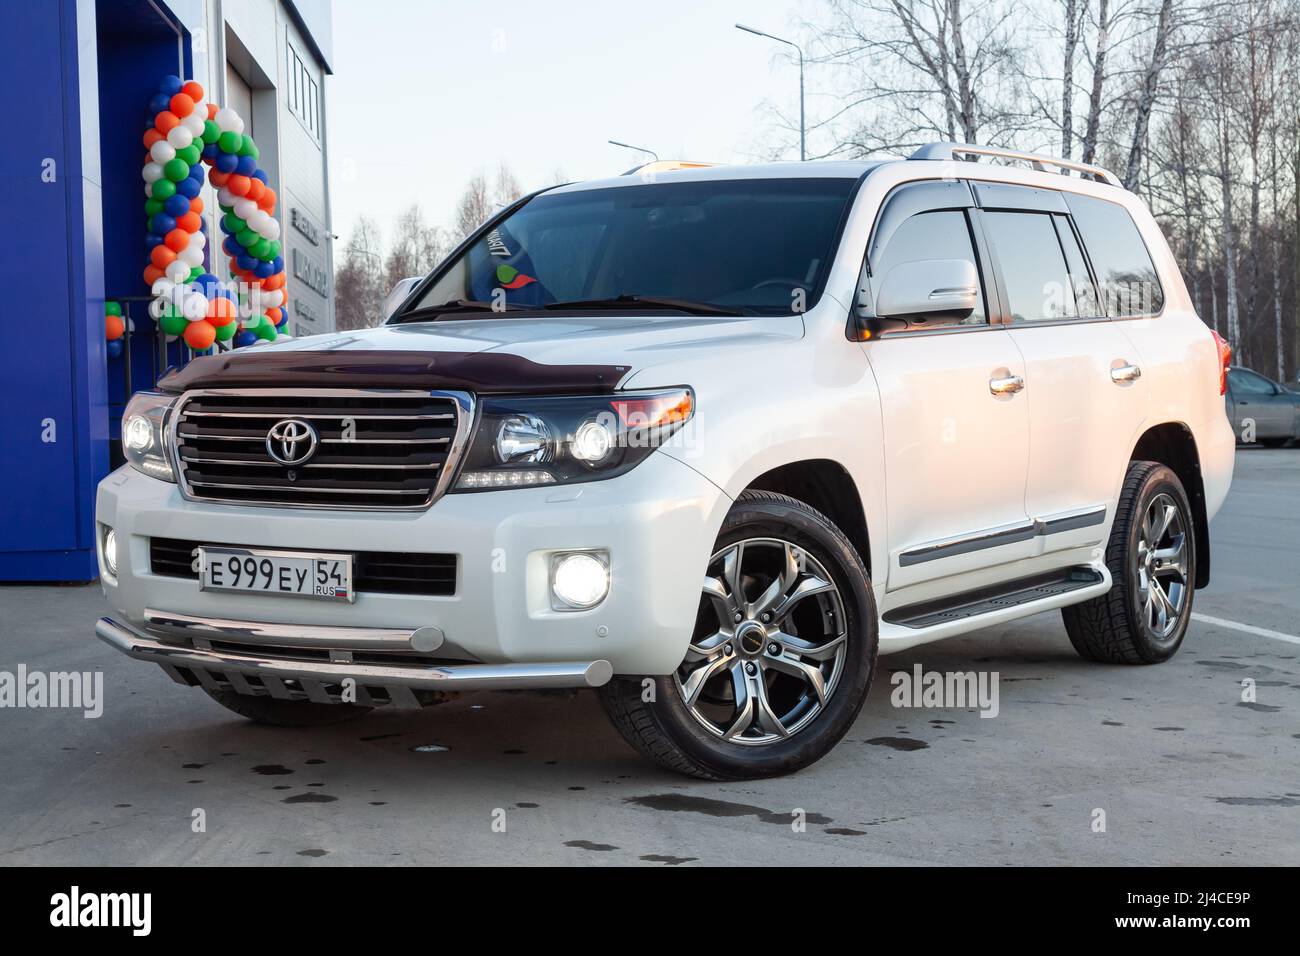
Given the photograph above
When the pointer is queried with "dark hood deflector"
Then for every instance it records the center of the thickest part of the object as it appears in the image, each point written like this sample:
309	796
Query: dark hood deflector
481	372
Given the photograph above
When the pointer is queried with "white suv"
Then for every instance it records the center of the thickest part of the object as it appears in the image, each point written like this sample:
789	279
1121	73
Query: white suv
706	439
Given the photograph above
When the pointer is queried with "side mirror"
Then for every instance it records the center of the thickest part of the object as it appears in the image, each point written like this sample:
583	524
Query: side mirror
926	288
399	294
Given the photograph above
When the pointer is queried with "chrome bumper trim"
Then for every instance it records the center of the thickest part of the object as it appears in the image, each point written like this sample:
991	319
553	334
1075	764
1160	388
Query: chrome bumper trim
423	640
440	677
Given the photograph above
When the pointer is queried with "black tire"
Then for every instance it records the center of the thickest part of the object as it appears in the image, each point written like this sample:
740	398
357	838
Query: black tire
1113	628
286	713
666	731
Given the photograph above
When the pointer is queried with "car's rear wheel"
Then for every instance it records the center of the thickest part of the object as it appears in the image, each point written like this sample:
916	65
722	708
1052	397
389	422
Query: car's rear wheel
286	713
1152	560
781	658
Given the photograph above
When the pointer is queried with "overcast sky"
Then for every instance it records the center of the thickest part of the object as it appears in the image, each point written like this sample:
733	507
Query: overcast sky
426	94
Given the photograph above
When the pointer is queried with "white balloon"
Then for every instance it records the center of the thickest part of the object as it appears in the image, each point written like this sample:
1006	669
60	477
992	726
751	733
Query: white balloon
198	240
194	123
228	121
172	338
272	228
162	151
244	209
179	137
162	287
152	172
274	298
156	306
195	307
225	197
191	255
177	271
256	220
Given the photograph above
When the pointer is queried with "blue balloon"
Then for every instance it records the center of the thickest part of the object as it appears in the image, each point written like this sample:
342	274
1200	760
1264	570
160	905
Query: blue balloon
210	152
176	205
187	189
260	174
246	262
114	348
160	102
263	270
244	338
277	265
161	224
245	165
151	240
171	85
227	162
230	247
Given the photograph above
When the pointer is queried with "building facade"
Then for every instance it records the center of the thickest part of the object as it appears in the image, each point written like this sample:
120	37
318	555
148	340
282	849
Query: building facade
80	74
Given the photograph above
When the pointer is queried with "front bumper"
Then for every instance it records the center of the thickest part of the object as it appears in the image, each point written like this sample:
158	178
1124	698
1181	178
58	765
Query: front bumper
658	523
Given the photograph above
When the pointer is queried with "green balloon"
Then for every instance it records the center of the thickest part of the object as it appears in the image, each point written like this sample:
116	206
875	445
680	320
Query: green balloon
230	142
266	332
246	237
112	308
195	273
176	169
248	147
165	188
191	154
275	248
211	131
226	332
152	207
261	249
172	323
233	224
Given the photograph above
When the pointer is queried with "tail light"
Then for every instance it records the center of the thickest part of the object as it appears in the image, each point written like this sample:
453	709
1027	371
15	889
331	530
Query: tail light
1225	359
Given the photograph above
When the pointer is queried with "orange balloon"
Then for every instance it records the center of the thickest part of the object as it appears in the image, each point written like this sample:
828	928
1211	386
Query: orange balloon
193	91
212	111
181	105
255	189
200	335
162	256
151	275
177	239
238	185
166	121
218	178
273	282
114	327
190	222
196	206
151	136
267	202
221	311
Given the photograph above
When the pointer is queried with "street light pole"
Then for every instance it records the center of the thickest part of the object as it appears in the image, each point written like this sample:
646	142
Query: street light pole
803	152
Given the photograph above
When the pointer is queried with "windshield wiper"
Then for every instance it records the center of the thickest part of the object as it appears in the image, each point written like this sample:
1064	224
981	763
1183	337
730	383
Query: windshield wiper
452	307
645	301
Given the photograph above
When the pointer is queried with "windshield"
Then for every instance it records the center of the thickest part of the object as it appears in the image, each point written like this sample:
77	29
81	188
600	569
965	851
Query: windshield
753	247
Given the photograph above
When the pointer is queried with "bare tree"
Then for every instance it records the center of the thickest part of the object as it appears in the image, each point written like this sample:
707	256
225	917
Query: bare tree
358	279
1148	91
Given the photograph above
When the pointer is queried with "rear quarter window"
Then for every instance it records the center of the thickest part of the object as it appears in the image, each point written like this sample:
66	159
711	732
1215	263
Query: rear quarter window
1126	277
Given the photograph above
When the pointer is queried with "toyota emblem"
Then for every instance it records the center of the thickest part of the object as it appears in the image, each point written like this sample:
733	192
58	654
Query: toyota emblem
292	441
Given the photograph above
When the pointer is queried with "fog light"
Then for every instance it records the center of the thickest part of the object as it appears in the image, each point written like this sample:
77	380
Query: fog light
110	551
579	580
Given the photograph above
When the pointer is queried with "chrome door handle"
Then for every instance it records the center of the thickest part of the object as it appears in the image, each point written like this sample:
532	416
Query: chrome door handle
1125	373
1006	386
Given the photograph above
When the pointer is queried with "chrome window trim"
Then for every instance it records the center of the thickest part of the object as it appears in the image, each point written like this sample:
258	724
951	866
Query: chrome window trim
462	401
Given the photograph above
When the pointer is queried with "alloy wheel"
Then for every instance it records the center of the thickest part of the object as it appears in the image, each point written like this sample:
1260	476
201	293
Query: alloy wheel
769	643
1162	552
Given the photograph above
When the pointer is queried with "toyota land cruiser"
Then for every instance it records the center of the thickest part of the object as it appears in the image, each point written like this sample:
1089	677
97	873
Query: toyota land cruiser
708	440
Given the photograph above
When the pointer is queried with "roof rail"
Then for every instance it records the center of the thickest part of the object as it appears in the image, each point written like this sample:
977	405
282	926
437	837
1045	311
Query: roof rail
667	166
952	151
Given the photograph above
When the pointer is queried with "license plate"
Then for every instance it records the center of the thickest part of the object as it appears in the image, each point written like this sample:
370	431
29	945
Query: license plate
282	573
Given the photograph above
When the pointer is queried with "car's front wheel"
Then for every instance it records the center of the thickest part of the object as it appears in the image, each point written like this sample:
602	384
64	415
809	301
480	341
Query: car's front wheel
781	658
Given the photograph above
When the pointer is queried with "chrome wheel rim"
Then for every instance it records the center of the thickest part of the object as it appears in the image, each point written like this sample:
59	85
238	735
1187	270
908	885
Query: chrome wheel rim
769	643
1162	552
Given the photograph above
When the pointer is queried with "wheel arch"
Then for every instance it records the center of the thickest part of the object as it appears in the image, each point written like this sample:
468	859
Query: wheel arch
1172	444
826	485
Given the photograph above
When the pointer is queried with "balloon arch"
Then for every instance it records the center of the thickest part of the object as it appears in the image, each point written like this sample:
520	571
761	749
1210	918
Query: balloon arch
188	301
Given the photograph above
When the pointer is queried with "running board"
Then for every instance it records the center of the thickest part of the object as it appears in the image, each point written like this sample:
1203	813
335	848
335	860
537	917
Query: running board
989	600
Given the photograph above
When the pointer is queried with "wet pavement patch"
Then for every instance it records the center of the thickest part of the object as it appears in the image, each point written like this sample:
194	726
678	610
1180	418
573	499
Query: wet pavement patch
271	769
1111	723
1290	800
309	798
1261	708
315	762
312	852
527	806
588	845
898	743
366	740
845	831
685	803
668	860
193	766
1171	728
1233	665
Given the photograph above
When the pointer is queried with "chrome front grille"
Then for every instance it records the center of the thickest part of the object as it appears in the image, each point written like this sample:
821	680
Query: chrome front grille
377	449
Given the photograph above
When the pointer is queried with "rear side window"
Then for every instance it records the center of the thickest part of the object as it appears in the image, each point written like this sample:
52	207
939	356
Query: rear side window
1244	382
933	235
1033	266
1126	278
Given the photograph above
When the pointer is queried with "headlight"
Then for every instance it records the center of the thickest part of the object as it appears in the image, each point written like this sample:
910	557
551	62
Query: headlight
144	434
529	441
